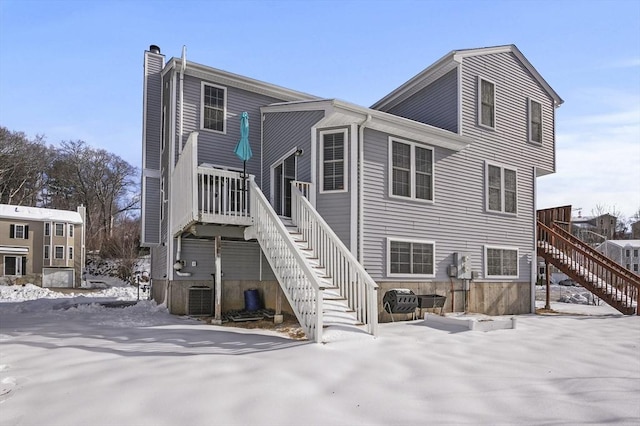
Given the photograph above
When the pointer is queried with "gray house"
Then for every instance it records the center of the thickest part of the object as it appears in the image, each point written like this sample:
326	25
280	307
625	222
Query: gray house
430	189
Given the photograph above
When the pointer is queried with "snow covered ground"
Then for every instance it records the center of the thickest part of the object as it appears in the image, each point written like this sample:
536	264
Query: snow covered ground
65	362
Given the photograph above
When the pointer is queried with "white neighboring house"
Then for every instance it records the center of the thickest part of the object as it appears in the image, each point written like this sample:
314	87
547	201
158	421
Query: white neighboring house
625	252
42	246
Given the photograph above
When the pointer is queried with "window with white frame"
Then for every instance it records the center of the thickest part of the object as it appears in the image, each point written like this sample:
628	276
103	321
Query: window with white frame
486	103
47	229
70	230
70	250
635	267
635	253
59	230
58	252
535	121
20	232
411	170
15	265
46	252
214	107
410	257
333	159
501	189
501	262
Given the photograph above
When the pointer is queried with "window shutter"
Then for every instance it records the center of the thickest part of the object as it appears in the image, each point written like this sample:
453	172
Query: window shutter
26	232
24	265
12	231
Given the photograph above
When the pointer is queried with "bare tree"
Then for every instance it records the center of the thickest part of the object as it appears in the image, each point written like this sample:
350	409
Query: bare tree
23	165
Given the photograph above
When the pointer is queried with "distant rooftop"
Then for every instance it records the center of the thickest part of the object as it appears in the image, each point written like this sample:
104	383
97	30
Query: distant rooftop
38	214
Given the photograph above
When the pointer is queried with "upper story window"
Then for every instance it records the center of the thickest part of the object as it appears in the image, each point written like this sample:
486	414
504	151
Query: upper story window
411	170
70	230
47	229
333	159
46	252
19	231
501	262
486	103
214	107
70	249
410	258
535	121
501	187
59	229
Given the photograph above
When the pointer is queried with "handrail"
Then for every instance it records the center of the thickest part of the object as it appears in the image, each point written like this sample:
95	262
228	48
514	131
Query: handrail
615	265
301	286
222	196
353	282
624	289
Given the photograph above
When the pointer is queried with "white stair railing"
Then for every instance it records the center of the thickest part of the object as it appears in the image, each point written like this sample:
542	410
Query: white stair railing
299	284
354	283
184	201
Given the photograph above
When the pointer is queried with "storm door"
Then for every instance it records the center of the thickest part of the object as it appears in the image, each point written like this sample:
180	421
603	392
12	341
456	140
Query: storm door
283	174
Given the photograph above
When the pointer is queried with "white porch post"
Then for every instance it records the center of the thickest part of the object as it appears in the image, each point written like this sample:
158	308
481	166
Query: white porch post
217	319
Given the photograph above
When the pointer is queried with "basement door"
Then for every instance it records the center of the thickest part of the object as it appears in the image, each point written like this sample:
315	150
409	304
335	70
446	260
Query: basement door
284	173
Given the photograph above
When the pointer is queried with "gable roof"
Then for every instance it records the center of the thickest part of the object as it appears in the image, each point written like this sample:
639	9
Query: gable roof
451	61
8	211
341	113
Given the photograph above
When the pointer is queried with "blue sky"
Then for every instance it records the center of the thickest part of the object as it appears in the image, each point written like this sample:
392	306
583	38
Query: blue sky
72	70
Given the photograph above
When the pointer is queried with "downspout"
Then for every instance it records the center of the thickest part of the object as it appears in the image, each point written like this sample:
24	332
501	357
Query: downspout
361	188
183	66
179	265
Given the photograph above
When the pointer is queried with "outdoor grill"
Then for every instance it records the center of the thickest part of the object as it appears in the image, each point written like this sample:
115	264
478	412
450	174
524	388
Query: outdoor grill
400	301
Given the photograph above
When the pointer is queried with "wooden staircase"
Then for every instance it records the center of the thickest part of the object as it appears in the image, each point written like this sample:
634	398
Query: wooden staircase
605	278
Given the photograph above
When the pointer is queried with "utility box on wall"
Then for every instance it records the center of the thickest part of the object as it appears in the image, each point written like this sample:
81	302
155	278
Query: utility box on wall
462	262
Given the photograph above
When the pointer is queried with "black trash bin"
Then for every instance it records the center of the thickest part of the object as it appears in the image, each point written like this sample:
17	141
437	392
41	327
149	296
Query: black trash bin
400	301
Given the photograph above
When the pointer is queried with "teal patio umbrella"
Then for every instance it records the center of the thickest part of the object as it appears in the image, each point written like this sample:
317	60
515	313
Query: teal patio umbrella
243	148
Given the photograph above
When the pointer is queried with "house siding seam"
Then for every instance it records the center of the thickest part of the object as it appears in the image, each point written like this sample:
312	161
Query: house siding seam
435	104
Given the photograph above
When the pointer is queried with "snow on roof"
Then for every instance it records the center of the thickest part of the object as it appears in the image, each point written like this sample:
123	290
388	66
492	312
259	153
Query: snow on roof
624	243
38	214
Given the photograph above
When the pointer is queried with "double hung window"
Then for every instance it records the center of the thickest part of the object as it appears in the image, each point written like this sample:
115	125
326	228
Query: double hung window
501	189
486	103
333	151
535	121
501	262
411	170
214	107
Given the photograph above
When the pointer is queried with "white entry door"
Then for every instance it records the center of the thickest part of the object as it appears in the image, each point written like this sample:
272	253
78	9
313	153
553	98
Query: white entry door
283	173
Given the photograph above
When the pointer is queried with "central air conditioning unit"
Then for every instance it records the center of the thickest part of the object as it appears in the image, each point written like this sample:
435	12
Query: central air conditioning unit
200	301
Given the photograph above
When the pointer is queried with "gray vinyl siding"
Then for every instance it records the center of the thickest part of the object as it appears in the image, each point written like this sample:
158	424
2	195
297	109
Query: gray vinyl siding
152	216
159	262
284	131
152	100
241	261
508	143
335	208
200	251
456	221
217	148
436	104
153	109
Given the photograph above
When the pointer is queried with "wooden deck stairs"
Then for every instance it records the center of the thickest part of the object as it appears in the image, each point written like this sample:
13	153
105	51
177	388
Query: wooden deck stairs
605	278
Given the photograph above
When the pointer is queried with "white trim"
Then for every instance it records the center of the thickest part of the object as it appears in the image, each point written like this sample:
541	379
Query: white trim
25	234
314	165
412	171
459	94
529	127
486	266
173	155
502	168
411	241
224	108
274	165
345	161
14	250
479	103
353	168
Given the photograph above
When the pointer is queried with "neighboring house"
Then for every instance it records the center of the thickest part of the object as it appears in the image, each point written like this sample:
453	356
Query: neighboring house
635	230
625	252
431	189
594	229
41	246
